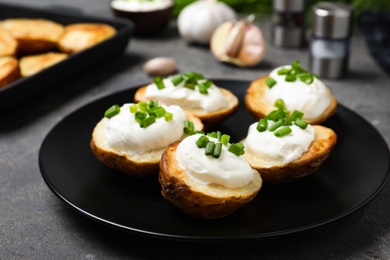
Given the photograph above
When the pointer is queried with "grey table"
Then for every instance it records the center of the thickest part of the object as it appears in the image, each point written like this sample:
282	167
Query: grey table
35	224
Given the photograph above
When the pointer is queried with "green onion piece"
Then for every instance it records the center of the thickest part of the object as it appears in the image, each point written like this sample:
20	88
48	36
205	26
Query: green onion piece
282	131
202	141
194	75
296	114
270	82
158	111
275	126
168	116
140	116
148	121
217	150
112	111
212	134
143	106
159	82
283	71
262	125
290	78
190	84
188	127
210	148
153	103
203	88
275	115
219	134
177	79
300	123
133	108
280	104
225	139
236	149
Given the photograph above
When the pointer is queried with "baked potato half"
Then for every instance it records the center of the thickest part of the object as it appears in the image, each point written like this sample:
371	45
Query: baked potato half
9	70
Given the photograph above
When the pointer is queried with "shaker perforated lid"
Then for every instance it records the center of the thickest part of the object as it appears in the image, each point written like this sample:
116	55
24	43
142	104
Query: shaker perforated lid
289	5
331	20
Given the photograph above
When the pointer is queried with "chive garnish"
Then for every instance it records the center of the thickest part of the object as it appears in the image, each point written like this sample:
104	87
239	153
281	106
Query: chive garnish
133	108
225	139
236	149
296	71
188	127
177	79
296	114
262	125
148	121
159	82
209	150
140	116
168	116
143	106
212	134
112	111
270	82
217	150
276	125
300	123
282	131
202	141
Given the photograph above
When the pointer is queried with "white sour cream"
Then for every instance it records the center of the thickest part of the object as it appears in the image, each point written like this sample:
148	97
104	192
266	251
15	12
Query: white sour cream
182	96
139	5
311	99
124	134
279	149
228	170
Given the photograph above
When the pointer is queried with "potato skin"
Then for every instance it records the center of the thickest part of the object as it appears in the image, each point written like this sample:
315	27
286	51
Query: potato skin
309	162
9	70
259	107
209	119
197	200
135	165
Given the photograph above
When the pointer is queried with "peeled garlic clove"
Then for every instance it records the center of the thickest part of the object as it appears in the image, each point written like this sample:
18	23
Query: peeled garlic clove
160	66
240	43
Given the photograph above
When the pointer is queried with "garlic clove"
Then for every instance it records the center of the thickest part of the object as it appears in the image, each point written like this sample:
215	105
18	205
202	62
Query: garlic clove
240	43
160	66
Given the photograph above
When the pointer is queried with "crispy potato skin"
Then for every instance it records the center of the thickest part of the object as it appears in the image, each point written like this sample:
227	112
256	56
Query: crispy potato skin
33	35
32	64
309	162
259	107
135	165
209	119
8	45
80	36
9	70
197	200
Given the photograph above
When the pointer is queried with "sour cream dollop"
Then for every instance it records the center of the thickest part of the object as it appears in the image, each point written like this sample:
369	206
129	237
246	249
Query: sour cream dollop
182	96
140	6
311	99
124	134
228	170
279	149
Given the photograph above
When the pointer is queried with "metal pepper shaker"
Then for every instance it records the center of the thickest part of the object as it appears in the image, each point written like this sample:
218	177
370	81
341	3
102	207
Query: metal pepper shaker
288	23
330	39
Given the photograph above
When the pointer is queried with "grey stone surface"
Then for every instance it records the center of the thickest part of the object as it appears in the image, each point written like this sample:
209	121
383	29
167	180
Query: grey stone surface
35	224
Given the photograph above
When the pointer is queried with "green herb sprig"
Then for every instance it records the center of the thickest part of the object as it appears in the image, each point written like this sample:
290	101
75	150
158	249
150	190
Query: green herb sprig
214	149
282	120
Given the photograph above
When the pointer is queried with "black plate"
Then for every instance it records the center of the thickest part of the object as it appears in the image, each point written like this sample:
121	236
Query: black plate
21	90
353	175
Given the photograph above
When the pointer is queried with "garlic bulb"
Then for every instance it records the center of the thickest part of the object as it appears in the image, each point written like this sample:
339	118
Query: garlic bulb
240	43
197	21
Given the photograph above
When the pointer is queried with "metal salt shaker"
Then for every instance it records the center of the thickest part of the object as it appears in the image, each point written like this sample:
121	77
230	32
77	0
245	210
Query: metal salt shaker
288	23
330	39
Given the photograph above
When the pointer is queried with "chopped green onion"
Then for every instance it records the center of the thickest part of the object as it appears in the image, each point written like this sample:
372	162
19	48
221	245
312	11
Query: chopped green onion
177	79
296	114
262	125
153	103
225	139
143	106
212	134
194	75
283	71
282	131
157	111
190	84
202	88
112	111
202	141
210	148
277	114
140	116
236	149
133	108
276	125
168	116
217	150
148	121
300	123
280	104
159	82
219	134
290	78
188	127
270	82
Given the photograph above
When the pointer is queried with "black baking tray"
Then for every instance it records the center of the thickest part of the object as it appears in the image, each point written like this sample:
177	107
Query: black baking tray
18	92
